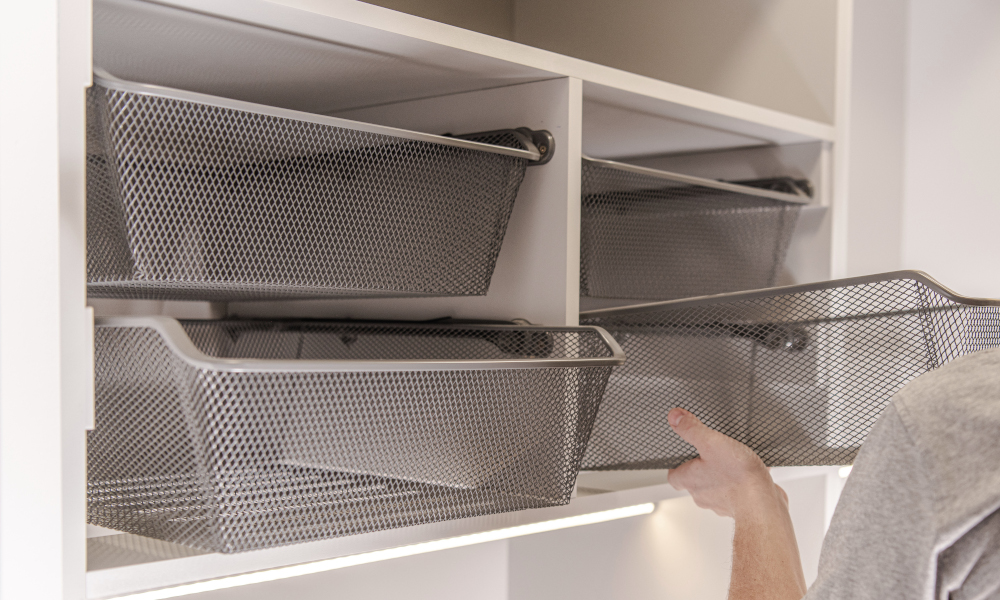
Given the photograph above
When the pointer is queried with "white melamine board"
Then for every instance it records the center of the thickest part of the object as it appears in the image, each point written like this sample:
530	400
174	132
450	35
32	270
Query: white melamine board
31	534
478	572
153	565
334	55
76	323
839	154
537	272
177	569
679	552
615	132
808	257
45	347
713	114
269	54
178	309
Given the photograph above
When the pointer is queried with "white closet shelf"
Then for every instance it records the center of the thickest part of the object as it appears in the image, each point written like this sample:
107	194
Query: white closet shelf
132	564
331	56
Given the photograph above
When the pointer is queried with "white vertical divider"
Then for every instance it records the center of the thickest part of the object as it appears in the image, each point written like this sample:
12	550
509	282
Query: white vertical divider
76	322
842	122
45	349
537	272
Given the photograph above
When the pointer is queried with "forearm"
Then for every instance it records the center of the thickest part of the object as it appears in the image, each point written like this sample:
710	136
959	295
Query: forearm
728	478
766	563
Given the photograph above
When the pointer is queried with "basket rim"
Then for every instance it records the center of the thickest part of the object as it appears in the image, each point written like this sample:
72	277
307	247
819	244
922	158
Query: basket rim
699	181
912	275
180	344
106	80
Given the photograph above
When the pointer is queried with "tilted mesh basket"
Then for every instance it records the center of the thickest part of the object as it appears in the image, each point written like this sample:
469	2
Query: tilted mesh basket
196	197
653	235
238	435
800	374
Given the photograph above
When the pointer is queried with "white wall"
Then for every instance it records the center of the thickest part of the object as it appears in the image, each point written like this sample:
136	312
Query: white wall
778	54
951	214
875	167
492	17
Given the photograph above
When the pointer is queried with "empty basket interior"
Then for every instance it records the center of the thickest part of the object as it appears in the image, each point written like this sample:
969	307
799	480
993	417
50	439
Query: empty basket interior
236	435
799	374
196	197
654	235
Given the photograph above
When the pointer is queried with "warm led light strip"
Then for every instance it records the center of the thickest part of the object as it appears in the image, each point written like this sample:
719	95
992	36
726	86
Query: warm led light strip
370	557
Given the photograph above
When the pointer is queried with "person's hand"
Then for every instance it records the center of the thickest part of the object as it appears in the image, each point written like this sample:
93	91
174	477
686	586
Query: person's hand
727	477
730	479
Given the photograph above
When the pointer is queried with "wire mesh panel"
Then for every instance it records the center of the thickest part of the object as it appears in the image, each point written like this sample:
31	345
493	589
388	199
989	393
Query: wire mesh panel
799	374
644	236
195	197
237	435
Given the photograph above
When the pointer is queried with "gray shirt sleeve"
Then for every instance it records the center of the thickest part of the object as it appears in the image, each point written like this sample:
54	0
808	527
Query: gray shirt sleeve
880	544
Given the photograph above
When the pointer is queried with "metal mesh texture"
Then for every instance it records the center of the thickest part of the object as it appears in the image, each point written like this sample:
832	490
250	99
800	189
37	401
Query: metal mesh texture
647	238
234	461
799	376
192	201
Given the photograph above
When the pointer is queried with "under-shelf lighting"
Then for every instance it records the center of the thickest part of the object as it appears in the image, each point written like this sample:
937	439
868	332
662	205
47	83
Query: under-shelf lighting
379	555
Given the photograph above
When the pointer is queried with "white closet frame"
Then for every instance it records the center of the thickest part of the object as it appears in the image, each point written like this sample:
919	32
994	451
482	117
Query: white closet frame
467	81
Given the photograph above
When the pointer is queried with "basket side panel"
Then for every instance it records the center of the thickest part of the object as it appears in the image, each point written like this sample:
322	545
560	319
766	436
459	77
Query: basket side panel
223	203
146	456
953	329
800	378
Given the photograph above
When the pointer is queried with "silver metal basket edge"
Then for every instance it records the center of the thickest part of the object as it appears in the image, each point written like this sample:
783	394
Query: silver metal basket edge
914	275
180	343
105	80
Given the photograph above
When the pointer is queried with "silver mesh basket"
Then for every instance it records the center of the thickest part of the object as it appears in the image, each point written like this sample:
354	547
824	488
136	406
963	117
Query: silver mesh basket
196	197
800	374
238	435
652	235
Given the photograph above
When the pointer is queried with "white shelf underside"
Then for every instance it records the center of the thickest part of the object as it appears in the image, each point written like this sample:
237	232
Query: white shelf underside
333	56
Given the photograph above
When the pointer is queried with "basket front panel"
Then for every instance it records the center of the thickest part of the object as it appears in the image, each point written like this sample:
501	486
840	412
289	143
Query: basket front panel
147	455
221	203
800	378
109	256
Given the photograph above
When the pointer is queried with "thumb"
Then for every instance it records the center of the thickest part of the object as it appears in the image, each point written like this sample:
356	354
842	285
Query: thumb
691	430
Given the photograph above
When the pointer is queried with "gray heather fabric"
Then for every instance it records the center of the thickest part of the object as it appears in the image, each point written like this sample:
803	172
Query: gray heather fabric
920	514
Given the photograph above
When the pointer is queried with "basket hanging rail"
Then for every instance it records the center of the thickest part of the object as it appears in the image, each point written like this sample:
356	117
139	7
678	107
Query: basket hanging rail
239	435
799	373
701	182
198	197
654	235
